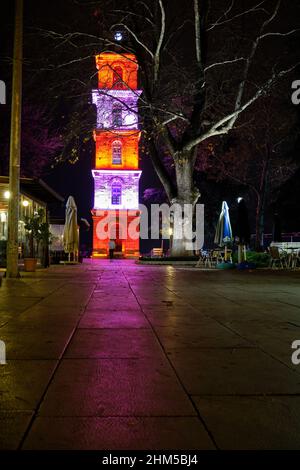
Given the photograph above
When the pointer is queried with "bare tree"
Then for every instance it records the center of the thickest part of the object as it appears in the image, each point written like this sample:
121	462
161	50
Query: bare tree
258	158
201	67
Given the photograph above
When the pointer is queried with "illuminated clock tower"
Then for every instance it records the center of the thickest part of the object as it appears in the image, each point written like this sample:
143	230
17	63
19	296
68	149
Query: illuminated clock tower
116	172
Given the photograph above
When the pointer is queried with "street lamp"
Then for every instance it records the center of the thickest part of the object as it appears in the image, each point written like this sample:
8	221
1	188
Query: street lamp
118	36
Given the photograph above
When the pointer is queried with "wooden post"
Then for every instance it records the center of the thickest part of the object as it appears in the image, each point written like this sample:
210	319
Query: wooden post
12	270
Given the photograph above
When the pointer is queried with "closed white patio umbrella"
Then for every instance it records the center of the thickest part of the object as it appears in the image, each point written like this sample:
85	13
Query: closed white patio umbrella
70	235
223	231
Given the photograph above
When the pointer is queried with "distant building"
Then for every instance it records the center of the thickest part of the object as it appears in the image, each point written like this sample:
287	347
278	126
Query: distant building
35	194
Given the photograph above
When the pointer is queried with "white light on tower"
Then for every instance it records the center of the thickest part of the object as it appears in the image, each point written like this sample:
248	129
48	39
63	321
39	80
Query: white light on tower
6	194
118	36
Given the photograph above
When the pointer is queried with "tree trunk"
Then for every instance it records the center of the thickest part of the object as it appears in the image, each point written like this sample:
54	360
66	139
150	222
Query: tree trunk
259	226
45	255
31	246
260	221
261	202
187	194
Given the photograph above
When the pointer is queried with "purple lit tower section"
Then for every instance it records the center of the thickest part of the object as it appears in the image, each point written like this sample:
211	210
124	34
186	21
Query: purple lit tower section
116	173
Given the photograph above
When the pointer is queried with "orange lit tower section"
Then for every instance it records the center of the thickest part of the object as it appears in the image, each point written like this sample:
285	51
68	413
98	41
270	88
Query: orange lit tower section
116	173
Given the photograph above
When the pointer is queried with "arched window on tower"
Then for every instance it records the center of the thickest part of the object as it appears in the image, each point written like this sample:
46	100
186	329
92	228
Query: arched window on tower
116	194
118	78
117	115
116	152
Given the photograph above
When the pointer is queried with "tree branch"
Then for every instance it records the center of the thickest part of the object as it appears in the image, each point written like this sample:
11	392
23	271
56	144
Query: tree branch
197	31
160	41
251	10
135	38
226	123
161	171
241	88
225	62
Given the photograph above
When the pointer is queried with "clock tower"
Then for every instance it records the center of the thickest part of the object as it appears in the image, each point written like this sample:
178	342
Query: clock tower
116	170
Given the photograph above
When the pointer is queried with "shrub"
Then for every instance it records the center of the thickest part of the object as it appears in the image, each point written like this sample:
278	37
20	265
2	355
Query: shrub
261	260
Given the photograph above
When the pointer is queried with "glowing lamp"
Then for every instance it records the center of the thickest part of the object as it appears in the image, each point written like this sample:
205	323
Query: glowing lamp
6	194
118	36
130	119
25	203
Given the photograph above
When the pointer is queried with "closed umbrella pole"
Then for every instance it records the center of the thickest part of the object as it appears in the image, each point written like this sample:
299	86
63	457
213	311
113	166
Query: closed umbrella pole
243	232
223	230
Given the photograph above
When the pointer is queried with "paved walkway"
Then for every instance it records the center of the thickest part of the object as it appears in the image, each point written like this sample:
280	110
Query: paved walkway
123	356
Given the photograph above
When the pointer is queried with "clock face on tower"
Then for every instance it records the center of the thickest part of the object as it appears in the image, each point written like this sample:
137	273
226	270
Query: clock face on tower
116	172
118	36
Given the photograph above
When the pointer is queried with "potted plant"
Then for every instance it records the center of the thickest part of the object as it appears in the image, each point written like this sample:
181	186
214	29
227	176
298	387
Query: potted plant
46	238
33	231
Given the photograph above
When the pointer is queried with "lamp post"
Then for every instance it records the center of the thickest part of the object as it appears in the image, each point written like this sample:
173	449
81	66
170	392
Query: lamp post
12	270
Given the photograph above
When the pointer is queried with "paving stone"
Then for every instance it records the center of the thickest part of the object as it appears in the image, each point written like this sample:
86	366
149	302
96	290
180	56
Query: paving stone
14	305
113	319
173	318
35	342
12	428
46	318
118	434
27	288
22	383
212	336
255	423
237	371
112	304
116	387
117	343
71	294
